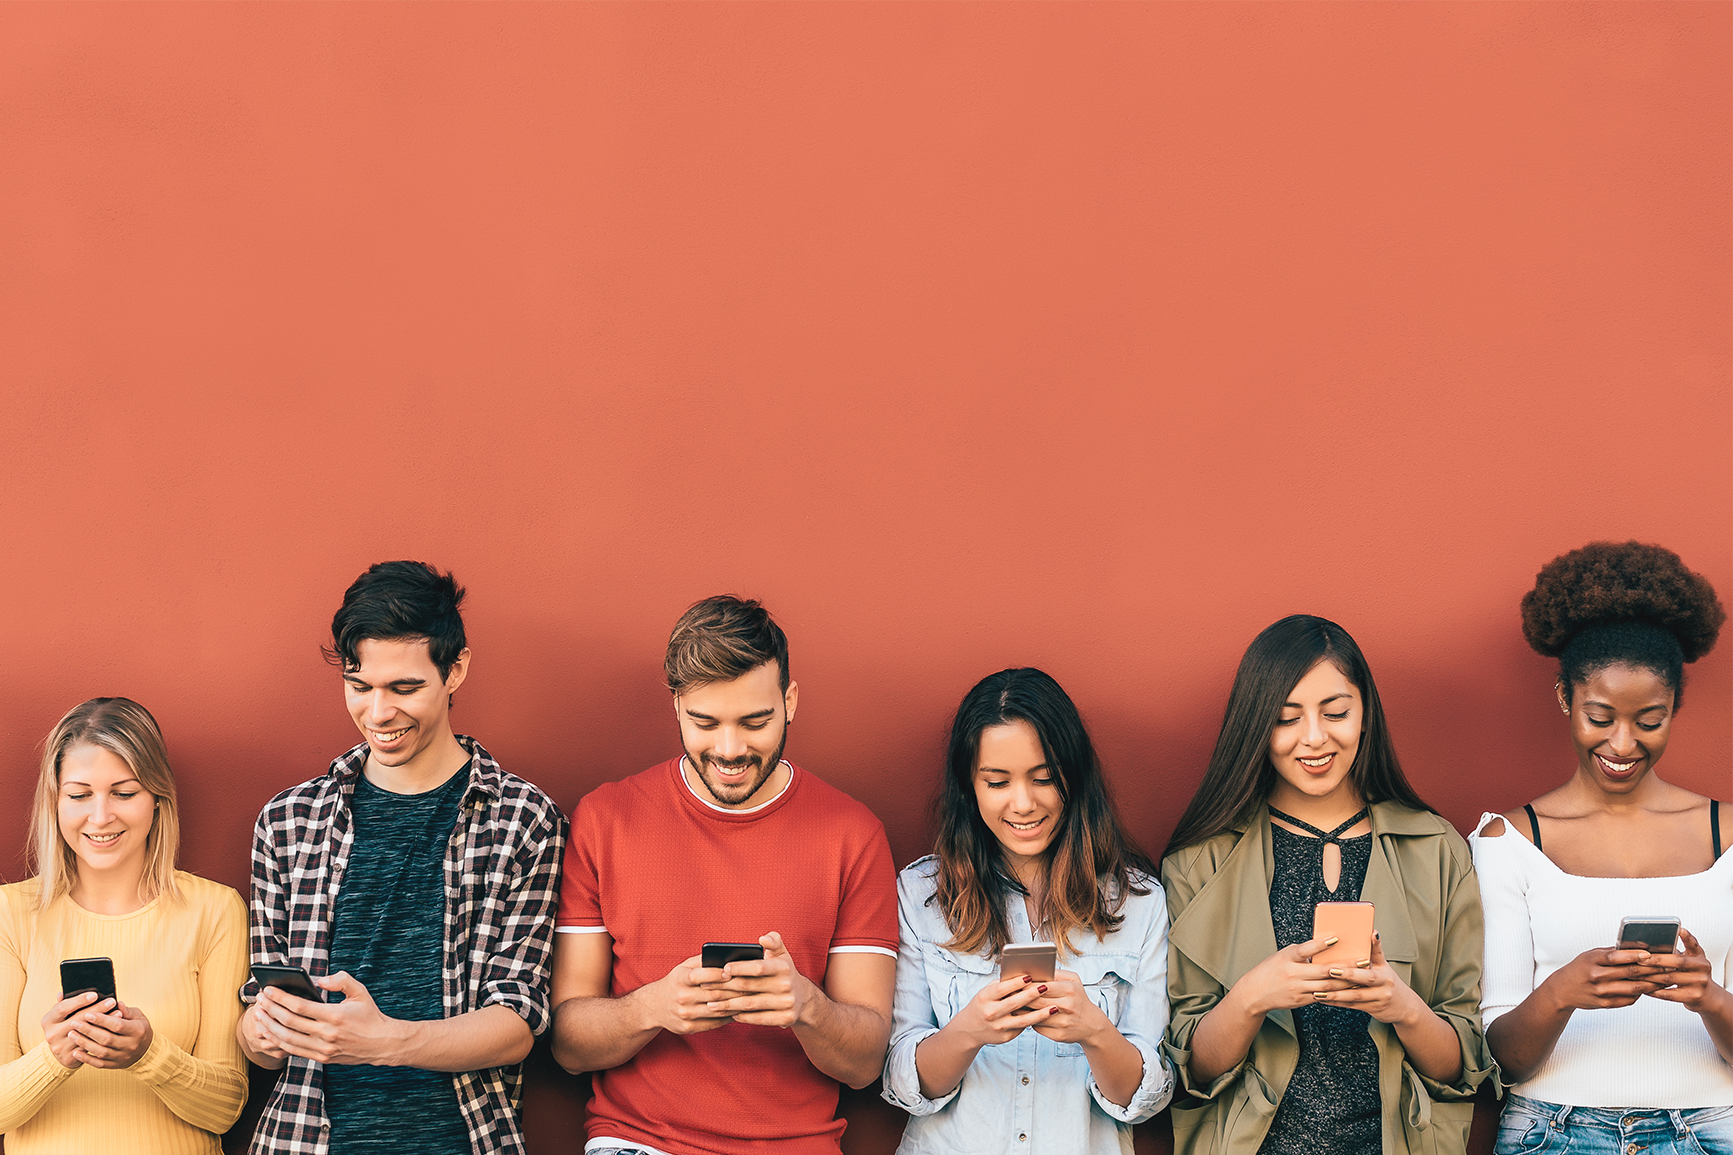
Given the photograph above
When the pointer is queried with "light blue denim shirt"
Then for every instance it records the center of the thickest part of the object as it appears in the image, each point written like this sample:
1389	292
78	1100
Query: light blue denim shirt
1030	1094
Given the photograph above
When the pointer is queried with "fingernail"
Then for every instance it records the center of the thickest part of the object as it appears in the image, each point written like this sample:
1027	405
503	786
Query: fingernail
1320	995
1364	963
1041	990
1335	972
1331	941
1028	979
1052	1010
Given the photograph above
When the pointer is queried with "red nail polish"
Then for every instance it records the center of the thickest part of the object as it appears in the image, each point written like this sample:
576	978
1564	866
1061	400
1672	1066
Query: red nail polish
1052	1010
1041	990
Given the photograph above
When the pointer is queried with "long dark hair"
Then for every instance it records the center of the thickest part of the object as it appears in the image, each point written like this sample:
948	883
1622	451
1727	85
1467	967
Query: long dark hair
1240	776
1092	864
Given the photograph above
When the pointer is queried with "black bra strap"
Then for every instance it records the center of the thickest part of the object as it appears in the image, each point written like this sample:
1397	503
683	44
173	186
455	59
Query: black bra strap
1534	824
1715	825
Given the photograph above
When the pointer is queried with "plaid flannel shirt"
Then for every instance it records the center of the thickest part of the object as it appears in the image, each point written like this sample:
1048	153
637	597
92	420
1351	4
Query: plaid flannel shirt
502	877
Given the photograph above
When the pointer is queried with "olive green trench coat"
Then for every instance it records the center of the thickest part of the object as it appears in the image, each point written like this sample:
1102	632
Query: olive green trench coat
1421	879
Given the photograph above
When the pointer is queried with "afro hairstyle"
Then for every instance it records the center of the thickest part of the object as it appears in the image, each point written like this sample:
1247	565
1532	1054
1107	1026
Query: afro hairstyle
1621	604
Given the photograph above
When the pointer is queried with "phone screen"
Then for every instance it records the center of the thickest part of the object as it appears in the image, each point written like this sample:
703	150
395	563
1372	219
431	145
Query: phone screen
292	979
78	975
717	955
1658	935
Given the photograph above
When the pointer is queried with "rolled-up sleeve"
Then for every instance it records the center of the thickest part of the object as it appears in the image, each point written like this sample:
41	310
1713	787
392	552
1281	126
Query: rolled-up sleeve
1144	1021
1194	991
913	1019
516	972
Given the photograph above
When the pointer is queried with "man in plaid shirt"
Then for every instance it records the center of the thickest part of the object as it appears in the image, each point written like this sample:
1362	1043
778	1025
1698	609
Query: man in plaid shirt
416	882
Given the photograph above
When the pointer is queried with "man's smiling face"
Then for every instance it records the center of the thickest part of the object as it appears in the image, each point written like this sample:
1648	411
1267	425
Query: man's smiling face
398	699
733	733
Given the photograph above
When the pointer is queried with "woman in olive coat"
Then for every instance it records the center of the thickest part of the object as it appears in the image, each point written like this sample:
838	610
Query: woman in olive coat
1304	802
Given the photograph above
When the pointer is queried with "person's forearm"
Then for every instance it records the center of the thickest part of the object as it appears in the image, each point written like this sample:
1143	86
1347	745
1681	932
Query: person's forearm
208	1093
845	1041
493	1036
1432	1045
26	1083
1717	1015
1222	1038
941	1060
599	1033
1117	1065
1522	1038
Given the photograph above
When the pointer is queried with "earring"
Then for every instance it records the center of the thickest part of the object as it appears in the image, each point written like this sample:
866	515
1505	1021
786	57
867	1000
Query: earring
1566	709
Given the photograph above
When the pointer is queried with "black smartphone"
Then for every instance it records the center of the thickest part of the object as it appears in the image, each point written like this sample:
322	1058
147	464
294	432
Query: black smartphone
1657	934
719	954
292	979
78	975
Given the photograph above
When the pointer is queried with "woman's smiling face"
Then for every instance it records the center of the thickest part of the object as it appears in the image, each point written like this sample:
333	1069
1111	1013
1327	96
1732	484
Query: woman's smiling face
1017	791
1621	717
105	812
1313	742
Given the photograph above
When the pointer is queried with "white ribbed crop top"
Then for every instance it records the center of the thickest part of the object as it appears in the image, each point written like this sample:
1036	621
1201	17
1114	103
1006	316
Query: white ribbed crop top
1652	1053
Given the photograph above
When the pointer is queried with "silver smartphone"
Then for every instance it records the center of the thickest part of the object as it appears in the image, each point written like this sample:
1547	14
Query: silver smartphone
1035	959
1657	933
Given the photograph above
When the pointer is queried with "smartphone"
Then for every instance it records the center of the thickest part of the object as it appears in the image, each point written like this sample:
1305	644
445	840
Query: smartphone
292	979
1350	923
1035	959
78	975
719	954
1657	934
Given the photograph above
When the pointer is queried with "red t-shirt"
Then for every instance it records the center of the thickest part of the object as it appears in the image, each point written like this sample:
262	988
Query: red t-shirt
665	873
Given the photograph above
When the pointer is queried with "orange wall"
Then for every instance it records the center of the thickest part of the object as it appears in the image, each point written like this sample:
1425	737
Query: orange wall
1090	337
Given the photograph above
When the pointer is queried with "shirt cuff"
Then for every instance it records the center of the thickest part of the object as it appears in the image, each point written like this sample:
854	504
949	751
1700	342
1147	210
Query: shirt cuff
1181	1060
529	1003
1152	1093
902	1081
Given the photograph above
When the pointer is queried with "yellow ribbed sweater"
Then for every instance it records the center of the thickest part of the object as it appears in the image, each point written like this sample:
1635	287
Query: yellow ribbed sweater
181	963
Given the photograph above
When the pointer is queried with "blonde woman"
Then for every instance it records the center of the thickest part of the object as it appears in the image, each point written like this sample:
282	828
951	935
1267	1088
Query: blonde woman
158	1069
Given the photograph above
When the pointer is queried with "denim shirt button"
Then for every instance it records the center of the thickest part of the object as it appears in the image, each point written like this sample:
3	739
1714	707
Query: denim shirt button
1022	1136
1025	1080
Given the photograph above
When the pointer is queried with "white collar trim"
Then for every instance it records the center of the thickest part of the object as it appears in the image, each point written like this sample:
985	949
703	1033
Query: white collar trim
687	782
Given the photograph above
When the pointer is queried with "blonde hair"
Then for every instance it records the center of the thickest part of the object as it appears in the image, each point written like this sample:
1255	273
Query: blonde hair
125	729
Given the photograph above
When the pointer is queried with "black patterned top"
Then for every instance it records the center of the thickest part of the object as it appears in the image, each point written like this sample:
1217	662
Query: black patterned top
1331	1106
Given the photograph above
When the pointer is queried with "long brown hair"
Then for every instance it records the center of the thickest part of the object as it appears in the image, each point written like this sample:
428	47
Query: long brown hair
1240	776
125	729
1092	863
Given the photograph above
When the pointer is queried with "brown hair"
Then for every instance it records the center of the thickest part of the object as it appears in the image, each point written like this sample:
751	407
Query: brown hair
721	638
1092	864
125	729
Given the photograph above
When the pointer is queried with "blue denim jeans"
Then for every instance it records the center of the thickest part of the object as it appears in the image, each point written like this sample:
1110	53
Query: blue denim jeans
1531	1127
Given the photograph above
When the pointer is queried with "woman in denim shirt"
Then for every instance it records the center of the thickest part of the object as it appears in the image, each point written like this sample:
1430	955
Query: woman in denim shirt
1029	849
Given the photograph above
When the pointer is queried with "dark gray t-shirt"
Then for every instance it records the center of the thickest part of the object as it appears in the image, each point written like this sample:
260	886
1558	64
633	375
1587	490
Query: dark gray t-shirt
387	930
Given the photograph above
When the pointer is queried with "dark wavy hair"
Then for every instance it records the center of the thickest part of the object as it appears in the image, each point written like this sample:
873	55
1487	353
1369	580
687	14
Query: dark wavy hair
1092	863
1629	604
1239	777
399	601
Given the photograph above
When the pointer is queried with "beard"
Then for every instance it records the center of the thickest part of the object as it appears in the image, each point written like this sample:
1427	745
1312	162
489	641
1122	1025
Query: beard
734	795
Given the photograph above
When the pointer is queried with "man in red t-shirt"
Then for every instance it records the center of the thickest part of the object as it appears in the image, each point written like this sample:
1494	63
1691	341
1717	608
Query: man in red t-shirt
729	843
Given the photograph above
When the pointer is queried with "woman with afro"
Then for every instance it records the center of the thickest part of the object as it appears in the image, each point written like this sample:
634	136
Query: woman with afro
1603	1049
